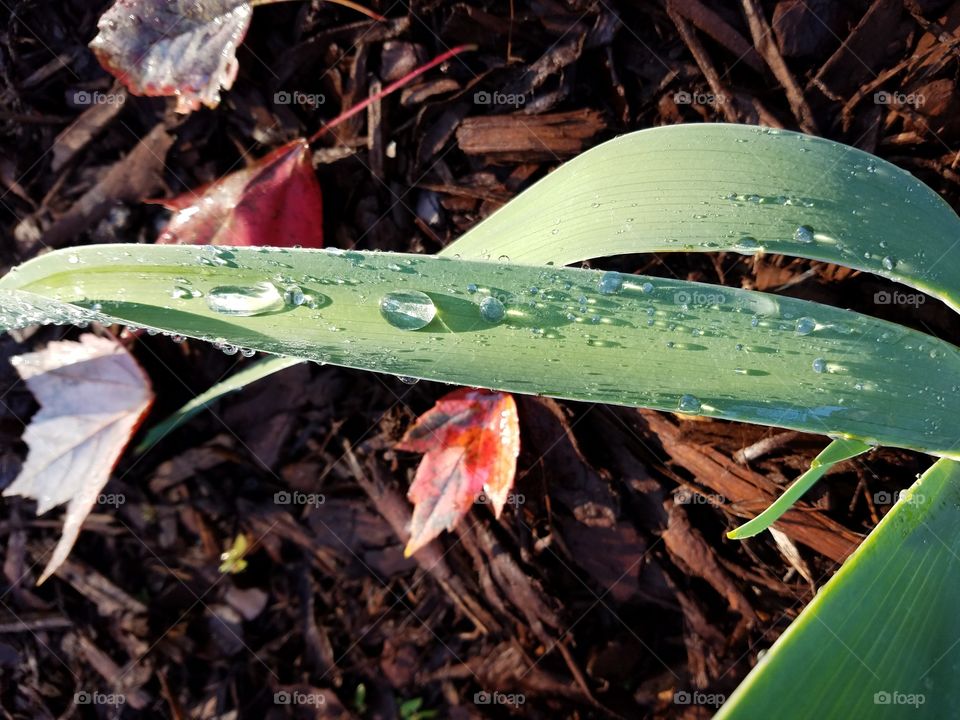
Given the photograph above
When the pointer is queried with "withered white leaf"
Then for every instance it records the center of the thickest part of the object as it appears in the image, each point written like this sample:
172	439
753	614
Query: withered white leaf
92	397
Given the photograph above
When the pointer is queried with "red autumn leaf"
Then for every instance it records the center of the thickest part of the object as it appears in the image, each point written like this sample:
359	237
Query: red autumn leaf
276	201
187	49
470	440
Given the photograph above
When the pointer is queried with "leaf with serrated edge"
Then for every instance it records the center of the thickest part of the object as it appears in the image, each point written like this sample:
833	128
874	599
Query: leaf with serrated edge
184	48
92	397
471	439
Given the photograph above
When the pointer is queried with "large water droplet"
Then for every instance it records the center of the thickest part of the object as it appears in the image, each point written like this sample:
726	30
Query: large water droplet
806	325
819	365
492	310
803	234
688	403
407	309
246	301
610	283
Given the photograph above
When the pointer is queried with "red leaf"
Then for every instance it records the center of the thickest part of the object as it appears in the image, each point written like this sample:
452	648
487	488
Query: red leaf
158	47
471	439
276	201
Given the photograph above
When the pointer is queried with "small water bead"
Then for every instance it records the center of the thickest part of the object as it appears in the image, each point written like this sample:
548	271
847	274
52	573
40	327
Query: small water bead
738	347
228	349
408	309
688	403
803	234
492	310
806	325
610	283
472	288
646	288
819	365
248	352
504	258
177	338
245	301
73	259
755	321
407	380
888	263
293	295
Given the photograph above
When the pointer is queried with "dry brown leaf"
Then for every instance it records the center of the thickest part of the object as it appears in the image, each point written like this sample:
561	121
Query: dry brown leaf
92	397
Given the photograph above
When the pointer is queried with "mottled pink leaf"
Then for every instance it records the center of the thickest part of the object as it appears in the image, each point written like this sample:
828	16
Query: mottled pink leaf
185	48
92	397
471	439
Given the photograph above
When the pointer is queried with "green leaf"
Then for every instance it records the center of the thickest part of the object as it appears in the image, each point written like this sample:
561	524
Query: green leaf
880	640
835	452
237	381
713	187
632	340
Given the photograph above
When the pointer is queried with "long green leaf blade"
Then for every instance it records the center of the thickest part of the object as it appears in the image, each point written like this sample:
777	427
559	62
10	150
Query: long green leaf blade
880	640
745	189
650	342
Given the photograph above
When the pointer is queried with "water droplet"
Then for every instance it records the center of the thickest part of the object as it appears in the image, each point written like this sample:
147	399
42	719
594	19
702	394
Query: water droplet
407	309
688	403
806	325
406	380
248	352
610	283
492	310
245	301
73	259
504	258
888	263
819	365
472	288
646	288
293	295
803	234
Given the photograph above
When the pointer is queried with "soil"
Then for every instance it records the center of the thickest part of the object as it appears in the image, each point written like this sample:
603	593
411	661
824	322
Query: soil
611	591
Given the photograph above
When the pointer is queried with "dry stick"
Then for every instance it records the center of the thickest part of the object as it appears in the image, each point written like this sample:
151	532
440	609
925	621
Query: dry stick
763	40
719	29
724	98
361	106
345	3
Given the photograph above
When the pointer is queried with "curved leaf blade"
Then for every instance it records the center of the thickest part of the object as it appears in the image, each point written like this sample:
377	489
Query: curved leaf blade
715	187
657	343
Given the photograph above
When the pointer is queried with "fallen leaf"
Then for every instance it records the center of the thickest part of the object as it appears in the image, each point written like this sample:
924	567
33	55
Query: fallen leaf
470	440
92	397
185	48
276	201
